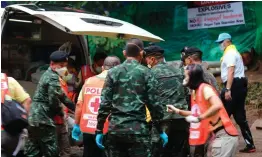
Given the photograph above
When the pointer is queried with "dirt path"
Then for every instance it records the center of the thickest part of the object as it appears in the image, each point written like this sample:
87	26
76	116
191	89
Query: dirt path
257	135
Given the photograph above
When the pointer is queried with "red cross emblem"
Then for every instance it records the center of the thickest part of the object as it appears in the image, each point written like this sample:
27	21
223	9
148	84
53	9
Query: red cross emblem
94	104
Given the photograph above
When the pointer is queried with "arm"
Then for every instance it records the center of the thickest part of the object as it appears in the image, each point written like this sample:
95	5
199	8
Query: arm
79	106
172	109
216	105
55	94
27	104
184	113
106	103
20	95
230	76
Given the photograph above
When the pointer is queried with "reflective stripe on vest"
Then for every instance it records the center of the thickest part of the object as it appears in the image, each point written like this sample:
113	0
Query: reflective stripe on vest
59	119
86	72
91	94
199	132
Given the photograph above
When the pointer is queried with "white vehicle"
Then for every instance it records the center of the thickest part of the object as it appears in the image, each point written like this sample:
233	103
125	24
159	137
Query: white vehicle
29	34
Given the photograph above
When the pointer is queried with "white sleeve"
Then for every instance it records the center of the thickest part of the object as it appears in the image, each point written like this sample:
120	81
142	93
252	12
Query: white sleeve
230	59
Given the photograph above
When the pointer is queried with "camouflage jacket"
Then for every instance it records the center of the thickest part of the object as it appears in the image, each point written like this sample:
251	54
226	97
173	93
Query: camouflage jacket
48	99
209	77
170	89
128	87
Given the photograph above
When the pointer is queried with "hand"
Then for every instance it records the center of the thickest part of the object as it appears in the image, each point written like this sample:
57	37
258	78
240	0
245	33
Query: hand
172	109
76	132
99	139
192	119
228	95
164	137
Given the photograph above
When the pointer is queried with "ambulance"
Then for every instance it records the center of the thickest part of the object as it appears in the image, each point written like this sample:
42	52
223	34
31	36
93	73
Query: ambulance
31	32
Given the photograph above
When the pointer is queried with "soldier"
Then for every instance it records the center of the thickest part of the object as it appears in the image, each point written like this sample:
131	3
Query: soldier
170	91
128	87
47	103
193	55
82	109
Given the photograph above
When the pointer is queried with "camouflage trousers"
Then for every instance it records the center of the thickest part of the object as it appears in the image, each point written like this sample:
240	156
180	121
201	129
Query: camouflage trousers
178	134
63	140
42	141
127	145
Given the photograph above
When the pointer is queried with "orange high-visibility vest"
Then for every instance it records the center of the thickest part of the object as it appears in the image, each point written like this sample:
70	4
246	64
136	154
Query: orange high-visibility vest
86	72
199	132
91	93
59	119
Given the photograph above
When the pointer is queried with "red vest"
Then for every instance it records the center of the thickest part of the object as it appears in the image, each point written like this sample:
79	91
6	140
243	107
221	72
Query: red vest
199	132
86	72
91	94
59	119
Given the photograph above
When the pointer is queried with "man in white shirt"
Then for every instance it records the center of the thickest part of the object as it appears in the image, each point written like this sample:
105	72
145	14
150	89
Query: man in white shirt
235	91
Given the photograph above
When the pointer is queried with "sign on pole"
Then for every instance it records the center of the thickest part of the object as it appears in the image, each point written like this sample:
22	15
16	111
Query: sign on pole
210	14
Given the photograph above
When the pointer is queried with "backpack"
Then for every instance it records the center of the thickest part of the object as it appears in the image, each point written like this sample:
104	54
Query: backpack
13	114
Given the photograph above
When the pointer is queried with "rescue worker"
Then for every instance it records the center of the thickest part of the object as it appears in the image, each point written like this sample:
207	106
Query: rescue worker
128	87
235	87
95	69
89	94
47	103
207	117
193	55
170	90
9	143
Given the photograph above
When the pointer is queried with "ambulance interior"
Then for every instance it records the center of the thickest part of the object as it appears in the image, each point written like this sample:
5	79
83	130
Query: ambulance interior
27	43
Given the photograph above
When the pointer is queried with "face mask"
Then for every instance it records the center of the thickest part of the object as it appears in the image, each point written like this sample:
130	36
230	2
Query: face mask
68	77
61	71
149	65
98	69
222	47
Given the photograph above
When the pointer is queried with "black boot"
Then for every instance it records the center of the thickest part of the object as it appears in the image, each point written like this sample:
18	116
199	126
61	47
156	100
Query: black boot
250	147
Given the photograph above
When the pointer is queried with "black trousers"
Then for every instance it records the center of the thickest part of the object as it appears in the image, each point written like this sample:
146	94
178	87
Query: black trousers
178	145
90	147
236	107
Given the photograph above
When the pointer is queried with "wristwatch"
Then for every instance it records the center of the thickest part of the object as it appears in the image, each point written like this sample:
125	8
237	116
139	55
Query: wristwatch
227	89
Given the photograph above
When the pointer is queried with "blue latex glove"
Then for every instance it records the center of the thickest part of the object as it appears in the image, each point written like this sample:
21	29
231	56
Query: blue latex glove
164	137
76	132
99	140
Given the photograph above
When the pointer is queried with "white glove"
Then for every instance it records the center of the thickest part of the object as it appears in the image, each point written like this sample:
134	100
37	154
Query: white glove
192	119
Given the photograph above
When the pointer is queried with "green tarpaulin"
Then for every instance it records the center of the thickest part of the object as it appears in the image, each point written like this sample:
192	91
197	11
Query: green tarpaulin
169	21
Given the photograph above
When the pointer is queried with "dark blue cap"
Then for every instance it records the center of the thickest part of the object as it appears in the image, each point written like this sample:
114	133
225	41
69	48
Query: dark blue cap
59	56
153	49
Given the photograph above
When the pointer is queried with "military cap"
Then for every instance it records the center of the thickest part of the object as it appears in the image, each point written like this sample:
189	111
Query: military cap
188	51
153	49
59	56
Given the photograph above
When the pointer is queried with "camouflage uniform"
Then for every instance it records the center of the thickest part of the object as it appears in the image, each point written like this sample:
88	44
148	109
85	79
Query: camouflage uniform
209	77
128	87
171	91
46	104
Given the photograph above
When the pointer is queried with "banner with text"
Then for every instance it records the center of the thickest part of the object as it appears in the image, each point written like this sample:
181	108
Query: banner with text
210	14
